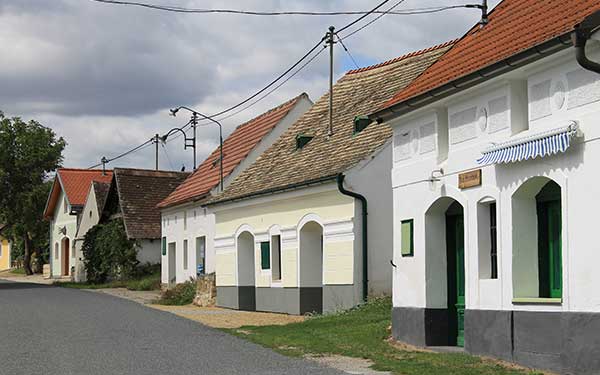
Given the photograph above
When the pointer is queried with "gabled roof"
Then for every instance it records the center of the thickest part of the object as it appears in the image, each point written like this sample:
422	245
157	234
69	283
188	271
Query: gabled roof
76	185
101	192
139	191
282	166
235	149
514	26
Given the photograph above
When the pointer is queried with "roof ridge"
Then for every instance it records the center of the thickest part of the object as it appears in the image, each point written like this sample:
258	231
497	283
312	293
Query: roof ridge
83	169
270	111
149	170
403	57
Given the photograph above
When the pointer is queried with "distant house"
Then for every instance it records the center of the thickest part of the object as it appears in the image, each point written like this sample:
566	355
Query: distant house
66	200
188	227
496	191
292	233
132	197
89	216
4	251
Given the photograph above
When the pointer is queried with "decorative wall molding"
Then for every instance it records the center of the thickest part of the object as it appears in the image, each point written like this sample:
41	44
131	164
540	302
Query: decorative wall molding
225	245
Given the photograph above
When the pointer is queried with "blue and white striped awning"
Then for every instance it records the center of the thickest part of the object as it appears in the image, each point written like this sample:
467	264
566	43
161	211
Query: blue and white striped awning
542	144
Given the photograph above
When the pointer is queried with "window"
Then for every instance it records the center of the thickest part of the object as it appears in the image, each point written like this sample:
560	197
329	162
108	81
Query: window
200	255
276	244
185	220
265	255
185	253
360	123
549	241
65	206
407	240
164	246
55	251
90	214
493	242
302	140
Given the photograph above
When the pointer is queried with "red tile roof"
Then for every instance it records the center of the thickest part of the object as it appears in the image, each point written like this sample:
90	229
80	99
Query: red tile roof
514	26
235	149
76	185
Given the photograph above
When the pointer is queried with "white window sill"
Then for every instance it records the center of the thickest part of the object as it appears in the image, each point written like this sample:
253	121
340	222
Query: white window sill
537	301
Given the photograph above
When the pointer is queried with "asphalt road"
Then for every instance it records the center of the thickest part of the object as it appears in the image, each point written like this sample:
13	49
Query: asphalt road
58	331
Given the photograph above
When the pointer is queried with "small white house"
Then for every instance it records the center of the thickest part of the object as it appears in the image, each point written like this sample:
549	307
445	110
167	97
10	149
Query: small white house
65	202
495	192
87	218
188	227
308	226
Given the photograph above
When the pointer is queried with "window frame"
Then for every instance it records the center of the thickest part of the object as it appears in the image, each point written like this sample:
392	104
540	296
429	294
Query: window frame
265	255
411	250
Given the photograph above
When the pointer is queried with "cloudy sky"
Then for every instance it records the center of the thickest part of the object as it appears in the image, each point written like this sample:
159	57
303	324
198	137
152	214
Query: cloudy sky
104	76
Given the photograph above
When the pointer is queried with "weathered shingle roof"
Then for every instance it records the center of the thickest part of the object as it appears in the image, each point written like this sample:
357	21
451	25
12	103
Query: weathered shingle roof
514	26
76	185
235	149
356	93
101	191
139	192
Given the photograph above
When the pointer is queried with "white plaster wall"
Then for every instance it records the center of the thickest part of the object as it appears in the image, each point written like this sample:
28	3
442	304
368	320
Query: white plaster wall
149	251
61	219
200	222
371	179
575	171
89	217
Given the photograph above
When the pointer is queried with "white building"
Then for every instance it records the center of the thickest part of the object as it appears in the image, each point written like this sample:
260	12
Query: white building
66	200
308	227
495	189
188	227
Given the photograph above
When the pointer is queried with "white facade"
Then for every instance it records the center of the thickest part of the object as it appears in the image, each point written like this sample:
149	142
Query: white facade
200	222
88	217
63	228
451	137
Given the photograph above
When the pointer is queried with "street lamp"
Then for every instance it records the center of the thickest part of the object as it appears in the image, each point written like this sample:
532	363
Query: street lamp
194	122
187	142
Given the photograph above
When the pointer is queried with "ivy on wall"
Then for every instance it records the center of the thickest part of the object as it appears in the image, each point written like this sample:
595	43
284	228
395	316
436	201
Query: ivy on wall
108	253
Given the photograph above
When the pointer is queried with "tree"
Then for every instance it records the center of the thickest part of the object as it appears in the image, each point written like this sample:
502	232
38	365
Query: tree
29	151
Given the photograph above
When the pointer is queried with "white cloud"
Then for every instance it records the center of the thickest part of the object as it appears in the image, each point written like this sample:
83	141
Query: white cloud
103	76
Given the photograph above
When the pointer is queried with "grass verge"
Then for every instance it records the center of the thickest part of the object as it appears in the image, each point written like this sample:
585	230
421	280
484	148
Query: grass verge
144	283
363	332
17	271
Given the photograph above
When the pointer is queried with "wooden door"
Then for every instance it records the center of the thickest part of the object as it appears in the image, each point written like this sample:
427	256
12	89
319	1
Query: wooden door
455	243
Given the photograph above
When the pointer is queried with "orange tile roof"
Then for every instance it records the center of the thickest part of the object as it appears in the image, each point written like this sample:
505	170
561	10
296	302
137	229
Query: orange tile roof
235	149
76	185
514	26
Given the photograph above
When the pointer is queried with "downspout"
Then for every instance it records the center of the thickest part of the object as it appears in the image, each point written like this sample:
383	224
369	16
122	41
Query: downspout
365	232
582	34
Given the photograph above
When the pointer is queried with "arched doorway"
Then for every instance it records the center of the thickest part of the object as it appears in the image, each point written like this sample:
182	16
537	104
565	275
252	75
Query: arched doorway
311	268
65	246
246	270
445	272
537	239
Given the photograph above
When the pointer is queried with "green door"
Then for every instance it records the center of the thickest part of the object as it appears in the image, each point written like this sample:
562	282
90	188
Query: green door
455	242
550	249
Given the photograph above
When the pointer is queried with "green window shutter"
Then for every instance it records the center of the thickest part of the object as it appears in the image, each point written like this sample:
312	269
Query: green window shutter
164	246
407	240
265	255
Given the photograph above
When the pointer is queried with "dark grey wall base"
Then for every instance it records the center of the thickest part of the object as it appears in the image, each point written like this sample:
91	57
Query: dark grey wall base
564	342
340	297
247	298
281	300
420	326
311	300
227	296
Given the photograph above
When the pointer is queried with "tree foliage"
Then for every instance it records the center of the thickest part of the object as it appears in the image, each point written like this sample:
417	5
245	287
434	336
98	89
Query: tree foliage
108	253
29	151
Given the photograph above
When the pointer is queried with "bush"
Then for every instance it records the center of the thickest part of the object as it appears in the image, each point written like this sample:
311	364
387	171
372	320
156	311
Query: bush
109	254
146	283
181	294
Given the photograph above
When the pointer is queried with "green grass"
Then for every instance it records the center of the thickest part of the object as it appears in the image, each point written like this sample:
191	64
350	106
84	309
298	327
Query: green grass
145	283
363	332
17	271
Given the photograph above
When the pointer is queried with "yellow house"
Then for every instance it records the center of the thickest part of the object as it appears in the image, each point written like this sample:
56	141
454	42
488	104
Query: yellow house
292	233
4	253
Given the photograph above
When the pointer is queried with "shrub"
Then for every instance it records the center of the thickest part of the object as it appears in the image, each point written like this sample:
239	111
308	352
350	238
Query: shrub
181	294
109	254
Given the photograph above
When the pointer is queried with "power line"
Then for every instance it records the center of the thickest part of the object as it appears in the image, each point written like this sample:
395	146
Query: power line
167	155
363	16
176	9
348	52
123	154
372	21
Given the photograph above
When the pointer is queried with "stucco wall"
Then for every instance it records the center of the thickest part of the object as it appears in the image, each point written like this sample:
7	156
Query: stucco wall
288	213
89	217
543	97
61	219
4	254
199	222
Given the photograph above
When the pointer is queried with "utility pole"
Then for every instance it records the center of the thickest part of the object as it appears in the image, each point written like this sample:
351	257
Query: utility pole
194	124
156	140
330	41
